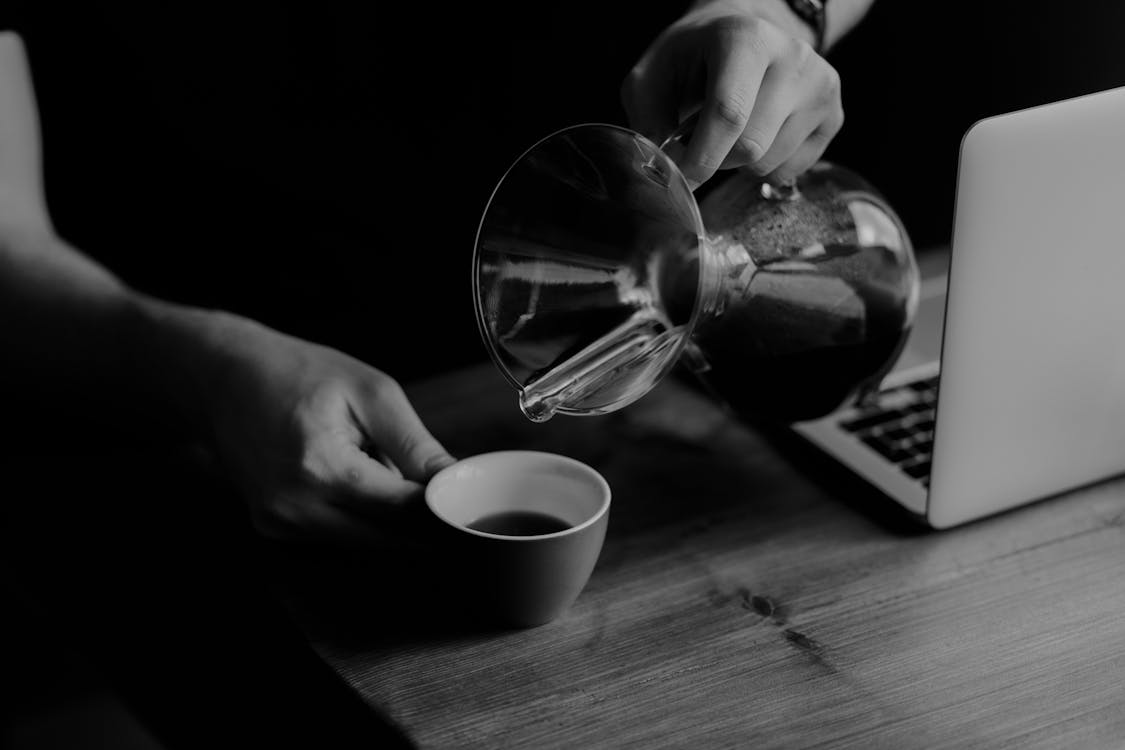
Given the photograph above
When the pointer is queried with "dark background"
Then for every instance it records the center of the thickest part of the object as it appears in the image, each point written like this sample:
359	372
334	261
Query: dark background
325	169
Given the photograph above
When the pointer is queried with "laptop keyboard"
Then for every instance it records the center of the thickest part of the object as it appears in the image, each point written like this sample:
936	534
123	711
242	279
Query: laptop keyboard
899	426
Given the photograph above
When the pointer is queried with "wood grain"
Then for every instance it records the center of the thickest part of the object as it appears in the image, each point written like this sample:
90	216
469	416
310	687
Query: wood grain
749	594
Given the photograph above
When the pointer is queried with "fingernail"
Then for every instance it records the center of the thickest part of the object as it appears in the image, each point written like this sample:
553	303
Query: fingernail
434	464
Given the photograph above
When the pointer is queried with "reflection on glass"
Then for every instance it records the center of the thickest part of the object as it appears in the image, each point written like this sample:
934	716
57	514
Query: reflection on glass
593	272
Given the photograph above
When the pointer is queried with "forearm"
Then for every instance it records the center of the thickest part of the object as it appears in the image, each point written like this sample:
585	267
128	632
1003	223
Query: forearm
59	311
69	328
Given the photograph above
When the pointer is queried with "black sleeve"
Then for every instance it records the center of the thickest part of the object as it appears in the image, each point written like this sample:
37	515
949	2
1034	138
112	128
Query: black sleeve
12	15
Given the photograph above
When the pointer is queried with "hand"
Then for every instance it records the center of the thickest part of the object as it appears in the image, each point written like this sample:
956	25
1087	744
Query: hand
323	446
766	99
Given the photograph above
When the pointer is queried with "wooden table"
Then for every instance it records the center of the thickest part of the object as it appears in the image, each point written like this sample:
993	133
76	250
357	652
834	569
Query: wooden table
748	594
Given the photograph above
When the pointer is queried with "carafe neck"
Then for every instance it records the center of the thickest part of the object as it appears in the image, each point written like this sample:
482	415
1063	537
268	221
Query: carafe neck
725	272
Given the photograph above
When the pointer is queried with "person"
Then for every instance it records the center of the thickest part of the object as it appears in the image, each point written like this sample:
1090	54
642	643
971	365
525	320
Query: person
224	171
322	444
770	101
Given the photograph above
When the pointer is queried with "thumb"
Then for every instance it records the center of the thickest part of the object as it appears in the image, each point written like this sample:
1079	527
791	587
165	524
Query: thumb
426	457
394	426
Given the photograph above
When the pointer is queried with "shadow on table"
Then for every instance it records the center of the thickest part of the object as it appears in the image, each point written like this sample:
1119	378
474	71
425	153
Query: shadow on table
842	484
682	471
377	599
147	568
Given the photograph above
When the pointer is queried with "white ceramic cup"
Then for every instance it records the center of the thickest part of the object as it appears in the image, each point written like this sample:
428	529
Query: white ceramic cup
522	579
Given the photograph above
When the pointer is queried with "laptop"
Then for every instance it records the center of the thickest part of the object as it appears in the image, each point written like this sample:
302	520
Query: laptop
1011	387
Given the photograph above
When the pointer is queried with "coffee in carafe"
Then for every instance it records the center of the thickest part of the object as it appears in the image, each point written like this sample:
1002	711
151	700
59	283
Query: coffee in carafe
596	271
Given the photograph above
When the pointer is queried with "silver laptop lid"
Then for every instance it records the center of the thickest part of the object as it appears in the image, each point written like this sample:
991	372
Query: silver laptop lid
1032	393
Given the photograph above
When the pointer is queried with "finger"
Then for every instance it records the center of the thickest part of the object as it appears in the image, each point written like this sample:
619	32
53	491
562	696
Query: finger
650	101
336	473
368	489
736	68
795	130
393	505
365	483
382	457
773	109
820	114
807	153
394	426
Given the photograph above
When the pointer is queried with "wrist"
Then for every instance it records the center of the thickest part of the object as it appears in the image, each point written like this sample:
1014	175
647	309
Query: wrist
777	12
176	353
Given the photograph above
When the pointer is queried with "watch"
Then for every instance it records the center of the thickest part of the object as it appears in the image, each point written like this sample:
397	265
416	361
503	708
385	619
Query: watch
812	13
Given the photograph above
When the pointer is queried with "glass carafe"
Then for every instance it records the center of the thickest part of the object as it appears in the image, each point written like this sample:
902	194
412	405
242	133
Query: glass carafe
596	270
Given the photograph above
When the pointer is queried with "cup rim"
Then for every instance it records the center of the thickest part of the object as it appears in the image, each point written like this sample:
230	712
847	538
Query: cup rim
599	480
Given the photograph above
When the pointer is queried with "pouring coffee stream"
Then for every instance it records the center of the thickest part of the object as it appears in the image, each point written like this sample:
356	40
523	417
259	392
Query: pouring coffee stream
594	275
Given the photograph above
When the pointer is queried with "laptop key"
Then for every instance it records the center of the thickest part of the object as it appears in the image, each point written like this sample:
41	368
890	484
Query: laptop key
929	384
898	433
924	442
918	468
893	450
923	425
867	420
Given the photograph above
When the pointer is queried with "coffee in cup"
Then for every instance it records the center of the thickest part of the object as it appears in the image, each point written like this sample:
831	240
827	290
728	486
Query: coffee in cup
527	529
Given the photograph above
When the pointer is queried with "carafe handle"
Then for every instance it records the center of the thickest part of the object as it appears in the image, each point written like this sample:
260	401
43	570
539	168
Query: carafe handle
682	131
771	189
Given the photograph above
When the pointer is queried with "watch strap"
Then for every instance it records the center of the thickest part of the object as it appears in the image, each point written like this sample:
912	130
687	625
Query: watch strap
812	13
